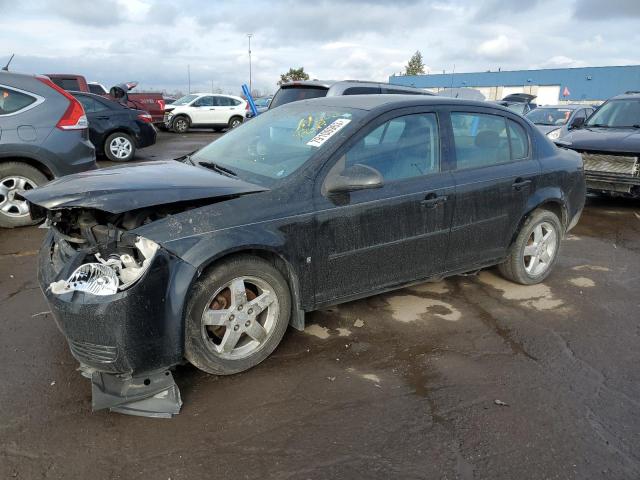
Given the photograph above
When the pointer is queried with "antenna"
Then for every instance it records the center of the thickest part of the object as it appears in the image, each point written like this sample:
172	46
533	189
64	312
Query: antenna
6	67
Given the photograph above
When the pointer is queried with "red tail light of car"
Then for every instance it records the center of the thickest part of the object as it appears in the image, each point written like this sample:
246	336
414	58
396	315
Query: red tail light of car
74	117
145	117
161	104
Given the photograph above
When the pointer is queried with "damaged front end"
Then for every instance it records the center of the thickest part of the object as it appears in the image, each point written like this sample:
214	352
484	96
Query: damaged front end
117	297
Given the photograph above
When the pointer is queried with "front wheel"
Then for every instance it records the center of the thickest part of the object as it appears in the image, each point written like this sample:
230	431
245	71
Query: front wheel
535	250
180	125
119	147
236	316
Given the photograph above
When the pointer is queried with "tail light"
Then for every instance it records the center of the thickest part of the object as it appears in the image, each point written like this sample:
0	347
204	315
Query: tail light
145	117
74	117
161	104
246	106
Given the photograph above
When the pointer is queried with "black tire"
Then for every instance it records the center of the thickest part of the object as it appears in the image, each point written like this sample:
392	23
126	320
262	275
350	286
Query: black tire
10	215
200	341
119	147
514	268
180	124
235	122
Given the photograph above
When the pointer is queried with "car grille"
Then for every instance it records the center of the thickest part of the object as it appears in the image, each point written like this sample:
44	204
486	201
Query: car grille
597	162
92	353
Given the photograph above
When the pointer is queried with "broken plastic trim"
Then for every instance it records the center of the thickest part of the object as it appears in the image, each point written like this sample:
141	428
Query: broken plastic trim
151	395
119	272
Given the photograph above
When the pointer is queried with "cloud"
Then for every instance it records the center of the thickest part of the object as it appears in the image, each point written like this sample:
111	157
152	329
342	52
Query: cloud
102	13
500	48
604	10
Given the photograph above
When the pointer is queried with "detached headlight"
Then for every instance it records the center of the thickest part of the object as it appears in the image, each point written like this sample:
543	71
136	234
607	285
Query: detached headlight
554	134
107	277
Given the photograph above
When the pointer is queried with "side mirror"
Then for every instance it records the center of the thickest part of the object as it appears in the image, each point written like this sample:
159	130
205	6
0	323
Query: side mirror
356	177
577	122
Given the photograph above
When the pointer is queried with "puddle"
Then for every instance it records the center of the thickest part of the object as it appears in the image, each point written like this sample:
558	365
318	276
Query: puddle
537	296
343	332
582	282
409	308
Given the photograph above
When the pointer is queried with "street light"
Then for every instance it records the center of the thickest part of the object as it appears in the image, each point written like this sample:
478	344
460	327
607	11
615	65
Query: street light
249	35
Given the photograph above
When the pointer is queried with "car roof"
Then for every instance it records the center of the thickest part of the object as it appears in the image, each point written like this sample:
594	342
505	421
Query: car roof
348	83
391	101
627	96
569	106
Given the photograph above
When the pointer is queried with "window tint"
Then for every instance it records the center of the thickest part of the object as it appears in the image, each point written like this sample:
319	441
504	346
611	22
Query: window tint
293	94
480	139
12	101
398	91
404	147
96	89
519	141
235	102
204	102
71	84
88	104
225	102
361	91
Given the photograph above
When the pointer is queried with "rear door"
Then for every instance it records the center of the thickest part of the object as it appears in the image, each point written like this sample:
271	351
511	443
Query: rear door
495	172
368	240
227	107
101	120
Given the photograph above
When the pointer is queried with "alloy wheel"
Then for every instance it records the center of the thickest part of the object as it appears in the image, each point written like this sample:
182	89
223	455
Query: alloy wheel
10	186
120	147
240	317
541	249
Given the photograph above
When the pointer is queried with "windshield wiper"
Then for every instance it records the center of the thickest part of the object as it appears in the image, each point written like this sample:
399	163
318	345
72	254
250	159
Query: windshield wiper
218	168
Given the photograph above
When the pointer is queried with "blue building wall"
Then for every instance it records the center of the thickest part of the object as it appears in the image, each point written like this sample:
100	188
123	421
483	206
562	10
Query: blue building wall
588	83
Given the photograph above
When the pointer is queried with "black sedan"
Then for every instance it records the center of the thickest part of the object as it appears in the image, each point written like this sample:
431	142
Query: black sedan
115	129
311	204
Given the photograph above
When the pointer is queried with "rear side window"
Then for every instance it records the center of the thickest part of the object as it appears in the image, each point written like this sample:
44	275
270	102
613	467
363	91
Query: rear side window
12	101
91	105
480	139
225	102
519	141
361	91
293	94
71	84
97	89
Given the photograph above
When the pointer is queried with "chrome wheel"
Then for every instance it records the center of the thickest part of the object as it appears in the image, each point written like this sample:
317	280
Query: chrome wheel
541	249
120	147
9	187
240	317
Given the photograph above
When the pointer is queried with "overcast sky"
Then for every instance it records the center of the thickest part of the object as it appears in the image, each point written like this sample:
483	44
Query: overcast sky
112	41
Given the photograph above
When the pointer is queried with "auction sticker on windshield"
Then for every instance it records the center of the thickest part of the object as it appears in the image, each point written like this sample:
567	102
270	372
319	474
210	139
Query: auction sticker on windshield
328	132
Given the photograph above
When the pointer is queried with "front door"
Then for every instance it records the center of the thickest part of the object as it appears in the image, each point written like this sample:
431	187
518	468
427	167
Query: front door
203	111
495	173
369	240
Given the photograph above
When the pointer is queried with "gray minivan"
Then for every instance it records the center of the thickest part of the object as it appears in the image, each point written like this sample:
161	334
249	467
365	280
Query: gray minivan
305	89
43	135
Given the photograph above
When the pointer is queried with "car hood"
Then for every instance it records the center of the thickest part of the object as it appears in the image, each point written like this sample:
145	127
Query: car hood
124	188
620	140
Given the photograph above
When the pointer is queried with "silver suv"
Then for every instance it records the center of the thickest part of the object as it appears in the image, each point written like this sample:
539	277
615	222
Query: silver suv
43	135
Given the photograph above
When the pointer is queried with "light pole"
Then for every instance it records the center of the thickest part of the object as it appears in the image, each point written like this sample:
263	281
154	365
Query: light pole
249	35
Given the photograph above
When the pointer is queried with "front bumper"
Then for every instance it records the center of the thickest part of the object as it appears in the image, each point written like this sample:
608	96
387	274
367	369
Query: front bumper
132	332
612	182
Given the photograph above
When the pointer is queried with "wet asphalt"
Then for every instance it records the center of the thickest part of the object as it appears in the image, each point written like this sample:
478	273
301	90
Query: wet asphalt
469	378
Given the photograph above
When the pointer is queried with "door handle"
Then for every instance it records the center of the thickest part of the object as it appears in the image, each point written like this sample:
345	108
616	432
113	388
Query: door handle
102	118
432	200
520	183
212	109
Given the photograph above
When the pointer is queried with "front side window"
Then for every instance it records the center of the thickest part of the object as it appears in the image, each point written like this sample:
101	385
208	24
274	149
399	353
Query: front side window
12	101
204	102
187	99
616	114
401	148
480	139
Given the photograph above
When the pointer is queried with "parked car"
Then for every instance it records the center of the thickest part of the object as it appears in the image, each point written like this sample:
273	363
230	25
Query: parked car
43	135
610	146
556	121
303	90
262	105
205	110
311	204
152	102
521	103
116	131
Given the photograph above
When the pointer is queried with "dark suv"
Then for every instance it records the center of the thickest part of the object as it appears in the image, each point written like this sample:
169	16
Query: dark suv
43	135
308	205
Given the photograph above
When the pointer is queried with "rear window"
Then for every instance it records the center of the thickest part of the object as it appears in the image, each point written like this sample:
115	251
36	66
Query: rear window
67	83
294	94
97	89
12	101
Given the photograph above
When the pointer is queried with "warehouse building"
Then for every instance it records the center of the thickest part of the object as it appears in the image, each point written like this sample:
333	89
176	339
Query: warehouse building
551	86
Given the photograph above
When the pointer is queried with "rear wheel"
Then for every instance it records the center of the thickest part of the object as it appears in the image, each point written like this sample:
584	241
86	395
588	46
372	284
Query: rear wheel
15	178
235	122
535	250
119	147
236	316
